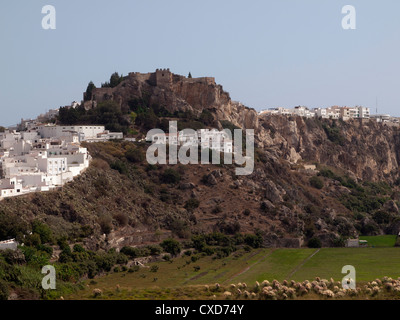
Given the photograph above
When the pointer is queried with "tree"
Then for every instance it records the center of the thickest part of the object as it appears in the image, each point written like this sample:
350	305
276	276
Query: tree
133	117
89	90
314	243
115	79
190	76
171	246
4	292
170	176
43	231
12	226
316	182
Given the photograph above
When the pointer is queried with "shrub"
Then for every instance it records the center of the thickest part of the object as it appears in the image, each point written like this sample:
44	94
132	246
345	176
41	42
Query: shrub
154	250
171	246
228	227
314	243
105	224
316	182
116	269
217	209
180	228
154	268
170	176
327	173
12	226
78	248
339	242
13	257
253	240
247	212
133	269
65	256
121	258
122	218
134	155
135	252
120	166
192	204
4	292
381	217
333	134
167	257
44	248
43	231
33	240
105	261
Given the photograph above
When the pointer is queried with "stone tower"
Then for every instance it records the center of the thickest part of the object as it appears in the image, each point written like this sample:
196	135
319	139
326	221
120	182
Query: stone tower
163	78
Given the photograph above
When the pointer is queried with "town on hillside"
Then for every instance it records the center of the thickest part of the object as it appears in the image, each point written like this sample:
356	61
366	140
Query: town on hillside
335	112
45	156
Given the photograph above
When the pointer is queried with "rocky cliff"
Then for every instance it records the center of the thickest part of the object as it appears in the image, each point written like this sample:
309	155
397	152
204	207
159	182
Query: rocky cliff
177	93
364	149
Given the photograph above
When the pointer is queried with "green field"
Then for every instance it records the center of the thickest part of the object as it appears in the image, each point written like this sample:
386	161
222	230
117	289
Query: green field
257	265
380	241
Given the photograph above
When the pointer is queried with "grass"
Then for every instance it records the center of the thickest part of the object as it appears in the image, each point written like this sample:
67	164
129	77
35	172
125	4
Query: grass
179	280
380	241
370	263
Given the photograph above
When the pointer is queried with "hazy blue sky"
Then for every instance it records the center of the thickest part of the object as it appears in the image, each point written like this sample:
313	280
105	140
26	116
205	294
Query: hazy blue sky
265	53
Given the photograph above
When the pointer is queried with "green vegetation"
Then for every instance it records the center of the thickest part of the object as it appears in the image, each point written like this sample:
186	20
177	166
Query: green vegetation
333	133
316	182
171	246
366	200
107	113
314	243
170	176
177	279
115	80
89	90
380	241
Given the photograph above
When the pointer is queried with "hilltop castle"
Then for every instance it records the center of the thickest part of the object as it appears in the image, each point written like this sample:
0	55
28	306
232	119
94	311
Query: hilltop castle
161	79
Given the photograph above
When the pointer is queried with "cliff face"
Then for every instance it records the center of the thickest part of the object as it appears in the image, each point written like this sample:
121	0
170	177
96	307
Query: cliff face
364	149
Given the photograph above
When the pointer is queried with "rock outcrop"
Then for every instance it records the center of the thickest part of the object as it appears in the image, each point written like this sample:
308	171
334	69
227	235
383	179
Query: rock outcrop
364	149
177	93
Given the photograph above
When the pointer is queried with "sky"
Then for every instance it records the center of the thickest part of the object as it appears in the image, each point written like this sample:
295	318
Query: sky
265	53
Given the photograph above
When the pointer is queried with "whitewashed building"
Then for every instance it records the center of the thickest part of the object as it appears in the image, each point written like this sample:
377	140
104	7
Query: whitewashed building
90	133
11	244
204	138
30	163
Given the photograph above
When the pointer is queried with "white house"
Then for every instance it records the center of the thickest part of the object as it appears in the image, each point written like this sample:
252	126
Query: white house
30	163
11	244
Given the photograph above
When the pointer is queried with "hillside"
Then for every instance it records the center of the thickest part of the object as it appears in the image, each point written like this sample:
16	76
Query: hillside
315	182
352	191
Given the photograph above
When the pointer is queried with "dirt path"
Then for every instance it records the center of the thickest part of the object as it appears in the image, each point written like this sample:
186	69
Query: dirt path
302	264
249	267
